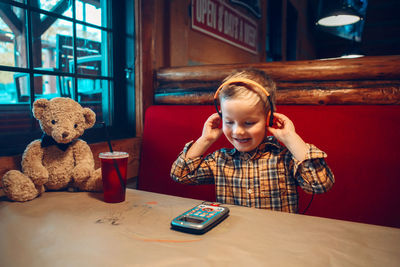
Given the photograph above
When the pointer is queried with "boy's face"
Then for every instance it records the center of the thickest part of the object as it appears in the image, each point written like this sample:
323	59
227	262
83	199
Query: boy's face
243	124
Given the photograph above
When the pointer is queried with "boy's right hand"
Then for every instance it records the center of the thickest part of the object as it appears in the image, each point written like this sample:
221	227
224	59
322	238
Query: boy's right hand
211	132
211	128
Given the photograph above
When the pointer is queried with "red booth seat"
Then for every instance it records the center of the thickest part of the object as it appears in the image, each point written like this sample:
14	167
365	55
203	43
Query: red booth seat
362	143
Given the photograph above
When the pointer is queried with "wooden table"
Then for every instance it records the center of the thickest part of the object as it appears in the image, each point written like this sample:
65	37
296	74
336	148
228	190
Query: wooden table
79	229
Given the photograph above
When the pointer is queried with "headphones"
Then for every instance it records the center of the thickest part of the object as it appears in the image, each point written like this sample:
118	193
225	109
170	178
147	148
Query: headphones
245	81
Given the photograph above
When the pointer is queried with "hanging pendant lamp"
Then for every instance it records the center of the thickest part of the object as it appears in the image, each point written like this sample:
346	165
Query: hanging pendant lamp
333	13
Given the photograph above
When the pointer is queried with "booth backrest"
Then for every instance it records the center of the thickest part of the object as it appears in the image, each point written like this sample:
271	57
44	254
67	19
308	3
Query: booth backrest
362	143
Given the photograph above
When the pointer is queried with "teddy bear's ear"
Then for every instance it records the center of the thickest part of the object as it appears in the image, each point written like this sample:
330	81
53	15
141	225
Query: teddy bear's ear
39	107
90	117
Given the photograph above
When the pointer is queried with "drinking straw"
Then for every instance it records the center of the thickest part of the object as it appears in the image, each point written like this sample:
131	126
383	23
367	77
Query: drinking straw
112	151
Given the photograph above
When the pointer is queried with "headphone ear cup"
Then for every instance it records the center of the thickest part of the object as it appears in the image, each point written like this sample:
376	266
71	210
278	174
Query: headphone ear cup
270	119
217	108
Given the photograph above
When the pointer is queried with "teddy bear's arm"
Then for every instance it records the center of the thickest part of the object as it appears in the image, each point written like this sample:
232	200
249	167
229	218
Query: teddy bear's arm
32	163
84	162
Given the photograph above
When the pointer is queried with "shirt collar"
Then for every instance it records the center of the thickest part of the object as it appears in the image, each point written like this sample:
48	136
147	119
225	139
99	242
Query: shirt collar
269	143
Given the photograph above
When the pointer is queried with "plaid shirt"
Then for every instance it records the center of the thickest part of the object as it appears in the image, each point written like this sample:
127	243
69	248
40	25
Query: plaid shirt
266	178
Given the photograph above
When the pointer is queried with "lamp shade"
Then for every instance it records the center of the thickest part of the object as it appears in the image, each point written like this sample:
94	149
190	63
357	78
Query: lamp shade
333	13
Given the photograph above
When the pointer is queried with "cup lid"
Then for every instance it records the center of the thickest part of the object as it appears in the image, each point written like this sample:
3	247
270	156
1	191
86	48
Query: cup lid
113	155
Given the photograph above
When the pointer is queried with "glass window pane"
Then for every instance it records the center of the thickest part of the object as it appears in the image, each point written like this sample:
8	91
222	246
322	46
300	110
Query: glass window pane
91	89
46	86
94	93
91	12
14	87
54	69
91	43
22	87
50	86
48	51
14	114
64	53
60	7
65	86
12	36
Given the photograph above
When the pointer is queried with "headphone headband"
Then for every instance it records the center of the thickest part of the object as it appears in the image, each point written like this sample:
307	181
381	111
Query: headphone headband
248	82
241	80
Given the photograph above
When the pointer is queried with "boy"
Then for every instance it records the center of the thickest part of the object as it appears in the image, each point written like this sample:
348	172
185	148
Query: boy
258	172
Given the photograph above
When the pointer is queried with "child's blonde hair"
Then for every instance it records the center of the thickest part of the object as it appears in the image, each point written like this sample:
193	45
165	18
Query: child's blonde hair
250	93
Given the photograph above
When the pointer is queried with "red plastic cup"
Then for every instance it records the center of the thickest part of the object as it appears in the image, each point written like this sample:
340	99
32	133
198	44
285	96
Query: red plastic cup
113	190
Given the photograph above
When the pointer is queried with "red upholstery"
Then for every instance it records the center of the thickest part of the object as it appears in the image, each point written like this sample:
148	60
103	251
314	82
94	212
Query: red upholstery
362	143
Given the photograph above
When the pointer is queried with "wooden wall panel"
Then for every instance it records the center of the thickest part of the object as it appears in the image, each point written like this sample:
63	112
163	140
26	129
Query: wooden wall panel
368	80
305	39
190	47
207	50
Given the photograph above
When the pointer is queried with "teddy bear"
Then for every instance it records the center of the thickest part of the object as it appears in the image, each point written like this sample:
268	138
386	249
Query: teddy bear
59	160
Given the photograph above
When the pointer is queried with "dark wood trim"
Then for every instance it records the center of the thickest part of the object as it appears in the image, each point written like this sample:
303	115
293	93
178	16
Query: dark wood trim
145	57
366	68
139	76
368	80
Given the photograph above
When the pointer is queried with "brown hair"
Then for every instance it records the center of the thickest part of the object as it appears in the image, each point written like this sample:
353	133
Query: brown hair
249	92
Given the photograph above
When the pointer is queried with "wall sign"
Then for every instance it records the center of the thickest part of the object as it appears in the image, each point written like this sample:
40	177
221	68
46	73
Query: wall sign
220	20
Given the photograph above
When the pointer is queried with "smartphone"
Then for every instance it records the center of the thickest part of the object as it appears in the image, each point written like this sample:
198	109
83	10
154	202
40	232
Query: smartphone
200	218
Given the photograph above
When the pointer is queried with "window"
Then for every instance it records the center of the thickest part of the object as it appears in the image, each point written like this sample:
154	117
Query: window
52	48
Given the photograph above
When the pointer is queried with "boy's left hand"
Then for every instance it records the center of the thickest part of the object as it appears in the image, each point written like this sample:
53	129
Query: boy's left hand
284	131
283	128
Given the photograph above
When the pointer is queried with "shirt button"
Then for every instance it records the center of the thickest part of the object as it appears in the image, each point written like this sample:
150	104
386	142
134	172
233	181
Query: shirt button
249	191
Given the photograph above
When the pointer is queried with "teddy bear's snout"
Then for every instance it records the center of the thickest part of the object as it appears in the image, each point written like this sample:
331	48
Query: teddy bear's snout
63	134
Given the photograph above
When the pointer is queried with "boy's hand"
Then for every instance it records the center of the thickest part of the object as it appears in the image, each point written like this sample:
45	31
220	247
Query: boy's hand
211	128
211	132
284	131
283	127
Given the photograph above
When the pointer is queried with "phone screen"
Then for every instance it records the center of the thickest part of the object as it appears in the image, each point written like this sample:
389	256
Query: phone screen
190	219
